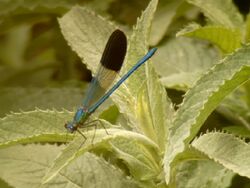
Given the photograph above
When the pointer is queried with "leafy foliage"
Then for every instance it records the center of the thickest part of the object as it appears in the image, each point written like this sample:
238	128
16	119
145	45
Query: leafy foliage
143	137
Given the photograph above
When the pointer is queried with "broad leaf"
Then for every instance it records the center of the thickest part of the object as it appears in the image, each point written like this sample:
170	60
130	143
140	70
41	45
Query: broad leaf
247	37
229	151
165	13
24	166
20	12
147	110
32	161
181	61
16	99
238	131
191	174
99	139
221	12
87	34
36	126
11	7
202	99
227	39
235	107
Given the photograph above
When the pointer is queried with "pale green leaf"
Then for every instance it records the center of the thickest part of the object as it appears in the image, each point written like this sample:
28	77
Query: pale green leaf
203	174
3	184
100	6
28	167
164	15
87	34
227	39
32	76
136	50
10	7
35	126
221	12
235	107
181	81
240	131
110	114
13	48
247	37
202	99
24	166
181	61
92	171
16	99
17	12
126	12
142	163
154	110
147	110
100	139
231	152
138	46
247	90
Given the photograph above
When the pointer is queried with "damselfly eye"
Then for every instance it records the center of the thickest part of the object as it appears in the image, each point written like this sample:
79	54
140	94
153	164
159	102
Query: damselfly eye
70	127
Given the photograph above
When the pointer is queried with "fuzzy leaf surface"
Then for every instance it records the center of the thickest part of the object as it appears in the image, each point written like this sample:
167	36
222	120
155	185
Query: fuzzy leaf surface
35	126
102	140
221	12
32	161
191	174
15	99
231	152
181	61
202	99
227	39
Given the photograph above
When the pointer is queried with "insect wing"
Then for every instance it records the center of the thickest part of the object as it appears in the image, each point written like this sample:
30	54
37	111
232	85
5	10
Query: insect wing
110	64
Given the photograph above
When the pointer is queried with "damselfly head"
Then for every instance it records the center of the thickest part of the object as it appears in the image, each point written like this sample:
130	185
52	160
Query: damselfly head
70	127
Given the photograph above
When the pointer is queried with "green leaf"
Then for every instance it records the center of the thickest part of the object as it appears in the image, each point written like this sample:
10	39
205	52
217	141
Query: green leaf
165	13
147	110
191	174
247	89
143	164
3	184
17	12
24	166
229	151
35	126
202	99
86	33
227	39
100	139
247	37
238	131
111	114
16	99
10	7
154	110
137	48
221	12
181	61
12	52
102	7
235	107
92	171
28	167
